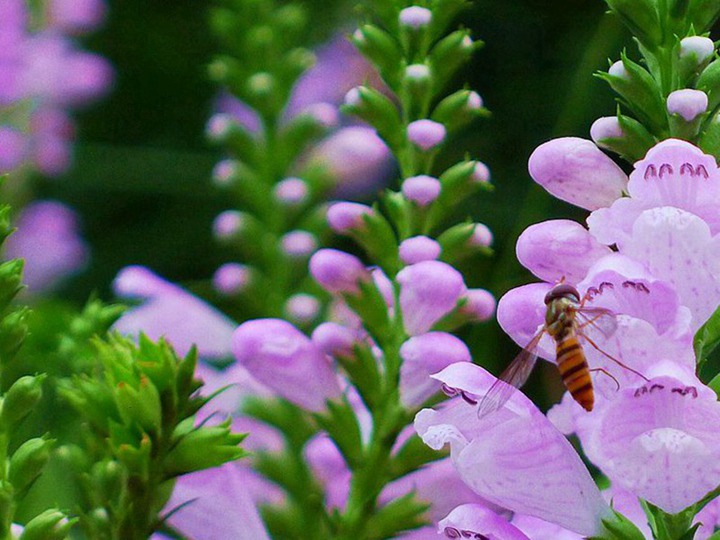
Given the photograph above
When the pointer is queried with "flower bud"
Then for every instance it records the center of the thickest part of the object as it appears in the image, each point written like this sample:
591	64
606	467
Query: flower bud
225	172
426	134
27	462
479	305
428	291
418	249
346	217
280	356
415	17
231	279
337	271
140	405
423	356
687	103
298	243
20	400
302	308
219	127
618	70
698	49
291	191
422	189
417	73
334	339
606	127
482	236
204	447
228	224
50	525
377	110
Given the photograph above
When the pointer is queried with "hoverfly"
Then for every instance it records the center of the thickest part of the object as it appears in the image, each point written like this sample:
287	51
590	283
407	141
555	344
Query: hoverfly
565	318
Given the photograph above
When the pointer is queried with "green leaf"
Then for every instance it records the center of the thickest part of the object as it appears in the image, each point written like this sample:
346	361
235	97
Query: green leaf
707	338
401	514
619	527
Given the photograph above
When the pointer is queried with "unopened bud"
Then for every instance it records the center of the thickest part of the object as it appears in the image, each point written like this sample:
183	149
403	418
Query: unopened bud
291	191
228	224
334	339
219	127
337	271
422	189
302	308
231	279
699	49
345	217
687	103
415	17
426	134
225	172
481	236
418	249
298	243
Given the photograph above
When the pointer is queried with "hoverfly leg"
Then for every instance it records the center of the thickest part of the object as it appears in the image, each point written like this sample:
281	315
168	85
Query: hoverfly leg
606	372
618	362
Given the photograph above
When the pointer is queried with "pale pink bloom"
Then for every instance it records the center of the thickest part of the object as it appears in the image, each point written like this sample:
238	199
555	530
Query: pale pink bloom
477	521
514	457
171	312
285	360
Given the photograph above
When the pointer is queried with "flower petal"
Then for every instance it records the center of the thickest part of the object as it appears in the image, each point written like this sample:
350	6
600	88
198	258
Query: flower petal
478	521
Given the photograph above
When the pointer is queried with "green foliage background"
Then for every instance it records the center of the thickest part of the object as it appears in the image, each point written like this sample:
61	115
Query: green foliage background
141	178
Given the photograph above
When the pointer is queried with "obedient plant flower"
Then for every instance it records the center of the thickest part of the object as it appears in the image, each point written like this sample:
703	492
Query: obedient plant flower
280	356
515	457
49	242
171	312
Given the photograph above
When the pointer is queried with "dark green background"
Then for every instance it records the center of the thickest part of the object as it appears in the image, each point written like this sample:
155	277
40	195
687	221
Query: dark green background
140	180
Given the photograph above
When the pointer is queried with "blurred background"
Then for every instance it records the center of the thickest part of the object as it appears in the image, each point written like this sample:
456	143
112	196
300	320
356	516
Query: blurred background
140	179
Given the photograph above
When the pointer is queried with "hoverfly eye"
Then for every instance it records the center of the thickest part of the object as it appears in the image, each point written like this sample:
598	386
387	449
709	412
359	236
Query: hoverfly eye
563	290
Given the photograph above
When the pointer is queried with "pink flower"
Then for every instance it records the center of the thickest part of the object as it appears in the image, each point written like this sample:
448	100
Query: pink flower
576	171
284	359
514	457
171	312
429	290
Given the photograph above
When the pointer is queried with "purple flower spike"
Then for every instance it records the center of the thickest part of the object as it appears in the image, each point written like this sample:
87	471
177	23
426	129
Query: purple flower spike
422	189
298	243
687	103
284	359
291	191
478	521
337	271
13	149
48	240
428	291
514	457
479	305
346	217
173	313
356	158
576	171
606	127
334	339
426	134
231	279
559	248
415	17
423	356
666	448
418	249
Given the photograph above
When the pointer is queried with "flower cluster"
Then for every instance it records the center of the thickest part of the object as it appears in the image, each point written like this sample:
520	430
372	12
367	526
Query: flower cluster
287	148
44	76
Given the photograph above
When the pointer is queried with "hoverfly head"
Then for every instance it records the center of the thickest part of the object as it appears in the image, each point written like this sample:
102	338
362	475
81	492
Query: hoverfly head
562	290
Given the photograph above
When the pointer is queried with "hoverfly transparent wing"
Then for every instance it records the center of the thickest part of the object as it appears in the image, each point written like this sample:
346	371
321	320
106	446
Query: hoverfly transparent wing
514	376
599	318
